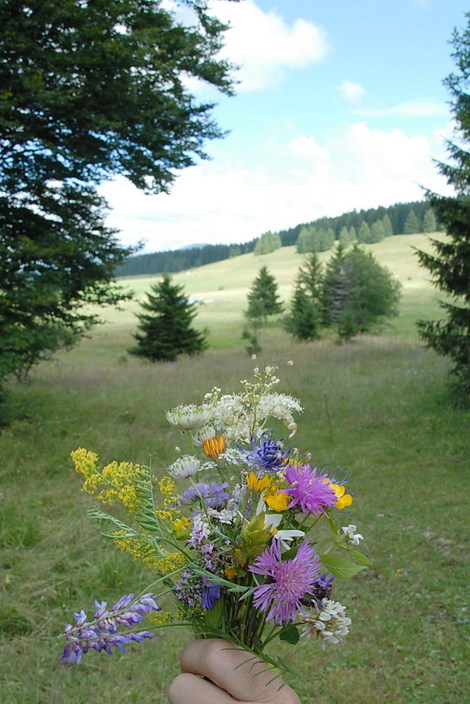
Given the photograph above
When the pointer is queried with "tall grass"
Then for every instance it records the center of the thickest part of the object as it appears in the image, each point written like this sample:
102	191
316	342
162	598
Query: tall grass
377	407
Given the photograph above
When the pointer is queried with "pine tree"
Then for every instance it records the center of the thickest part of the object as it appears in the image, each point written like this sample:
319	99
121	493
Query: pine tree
412	225
450	265
165	327
263	299
304	240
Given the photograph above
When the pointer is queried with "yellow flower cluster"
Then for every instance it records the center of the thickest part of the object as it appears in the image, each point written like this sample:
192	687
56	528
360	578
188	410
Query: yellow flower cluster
120	477
142	551
85	464
160	617
168	490
268	486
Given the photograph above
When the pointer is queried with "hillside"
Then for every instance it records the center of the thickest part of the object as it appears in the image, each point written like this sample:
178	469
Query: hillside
222	287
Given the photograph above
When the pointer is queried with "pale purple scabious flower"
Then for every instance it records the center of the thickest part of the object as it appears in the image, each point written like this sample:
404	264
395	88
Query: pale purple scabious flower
310	492
267	453
290	581
102	632
213	494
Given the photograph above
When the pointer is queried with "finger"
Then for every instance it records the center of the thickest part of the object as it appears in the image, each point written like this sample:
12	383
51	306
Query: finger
243	675
191	689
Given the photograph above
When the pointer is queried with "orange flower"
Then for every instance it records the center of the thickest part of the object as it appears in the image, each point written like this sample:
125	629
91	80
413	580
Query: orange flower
213	447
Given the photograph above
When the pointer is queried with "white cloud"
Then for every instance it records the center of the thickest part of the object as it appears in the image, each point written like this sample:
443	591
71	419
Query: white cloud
263	45
351	91
410	109
224	202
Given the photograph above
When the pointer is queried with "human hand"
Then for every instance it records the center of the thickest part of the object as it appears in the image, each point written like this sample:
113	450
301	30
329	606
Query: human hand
229	676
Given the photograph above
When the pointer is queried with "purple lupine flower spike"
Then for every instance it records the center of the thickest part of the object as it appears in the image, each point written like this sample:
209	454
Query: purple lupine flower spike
102	633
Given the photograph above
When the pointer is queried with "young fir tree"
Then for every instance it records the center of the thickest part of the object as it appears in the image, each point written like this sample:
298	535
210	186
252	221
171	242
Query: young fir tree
303	321
450	265
165	328
263	299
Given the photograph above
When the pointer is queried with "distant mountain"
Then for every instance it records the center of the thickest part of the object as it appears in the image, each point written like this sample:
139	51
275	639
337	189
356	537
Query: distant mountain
194	246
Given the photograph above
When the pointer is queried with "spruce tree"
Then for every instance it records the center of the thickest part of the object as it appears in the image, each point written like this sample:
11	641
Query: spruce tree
303	321
165	328
412	225
387	226
263	299
377	233
329	287
429	221
450	264
363	233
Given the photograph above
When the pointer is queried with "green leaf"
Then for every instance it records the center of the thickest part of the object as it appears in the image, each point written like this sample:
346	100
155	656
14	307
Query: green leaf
363	559
340	567
290	634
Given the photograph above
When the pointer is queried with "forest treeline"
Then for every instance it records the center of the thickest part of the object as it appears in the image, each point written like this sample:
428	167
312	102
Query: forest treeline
401	218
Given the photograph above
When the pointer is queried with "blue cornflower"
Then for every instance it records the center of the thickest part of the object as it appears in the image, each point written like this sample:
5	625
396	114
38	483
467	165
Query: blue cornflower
102	632
267	453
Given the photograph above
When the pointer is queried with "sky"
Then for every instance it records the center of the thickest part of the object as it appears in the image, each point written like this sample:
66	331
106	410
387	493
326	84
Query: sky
339	106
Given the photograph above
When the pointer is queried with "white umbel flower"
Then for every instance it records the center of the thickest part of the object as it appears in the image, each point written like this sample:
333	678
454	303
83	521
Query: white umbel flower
189	417
187	466
329	623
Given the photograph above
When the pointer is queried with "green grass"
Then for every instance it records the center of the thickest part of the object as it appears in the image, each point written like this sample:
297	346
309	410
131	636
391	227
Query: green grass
377	407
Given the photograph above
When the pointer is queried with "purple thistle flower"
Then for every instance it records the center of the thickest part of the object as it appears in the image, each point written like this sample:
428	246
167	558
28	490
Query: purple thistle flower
310	492
102	633
267	453
213	494
290	581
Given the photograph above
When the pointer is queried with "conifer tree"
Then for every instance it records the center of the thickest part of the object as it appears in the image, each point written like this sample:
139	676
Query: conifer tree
165	328
412	225
387	226
450	264
363	234
429	221
344	236
377	233
329	287
263	299
303	321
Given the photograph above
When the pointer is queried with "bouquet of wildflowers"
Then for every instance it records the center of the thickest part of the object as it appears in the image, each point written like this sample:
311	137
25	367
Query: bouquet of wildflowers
231	530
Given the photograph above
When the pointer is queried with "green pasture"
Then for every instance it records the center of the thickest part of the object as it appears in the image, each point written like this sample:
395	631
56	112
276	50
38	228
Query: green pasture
221	289
377	407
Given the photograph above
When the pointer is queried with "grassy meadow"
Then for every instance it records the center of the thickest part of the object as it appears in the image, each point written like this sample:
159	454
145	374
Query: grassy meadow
377	407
